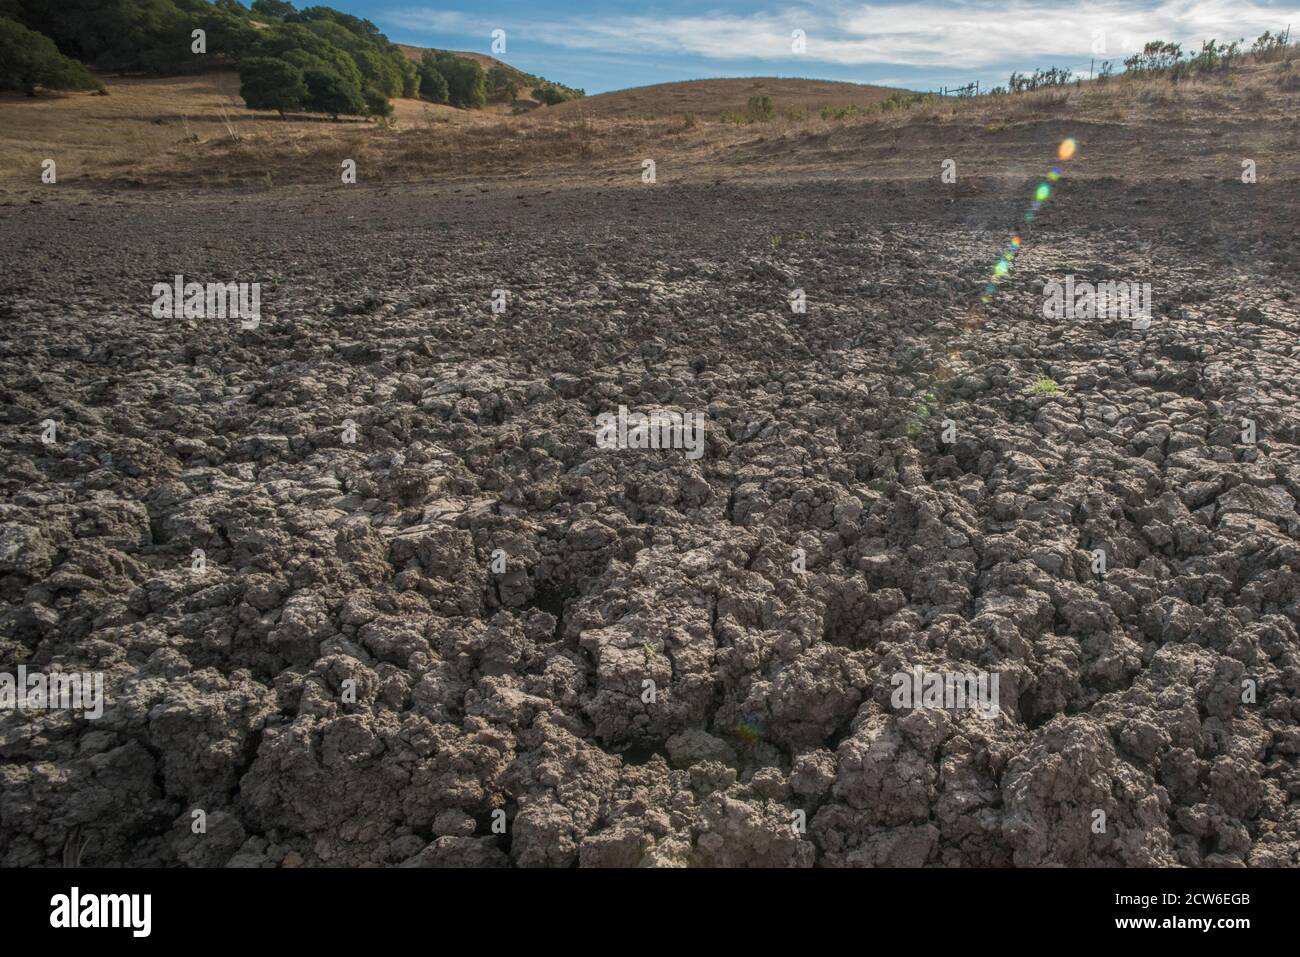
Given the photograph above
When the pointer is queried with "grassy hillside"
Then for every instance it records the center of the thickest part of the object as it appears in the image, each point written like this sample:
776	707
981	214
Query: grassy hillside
194	131
713	97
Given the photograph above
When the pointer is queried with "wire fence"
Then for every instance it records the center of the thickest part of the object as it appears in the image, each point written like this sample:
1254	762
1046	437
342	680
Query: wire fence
970	89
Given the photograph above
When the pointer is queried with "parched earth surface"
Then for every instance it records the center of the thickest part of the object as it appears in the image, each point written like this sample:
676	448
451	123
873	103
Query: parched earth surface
347	681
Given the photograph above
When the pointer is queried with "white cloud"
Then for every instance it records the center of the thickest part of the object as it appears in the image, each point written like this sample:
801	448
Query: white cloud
967	34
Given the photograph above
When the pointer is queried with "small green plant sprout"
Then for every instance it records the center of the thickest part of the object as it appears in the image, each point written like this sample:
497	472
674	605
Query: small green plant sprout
916	421
843	112
648	650
759	109
887	475
923	409
1045	386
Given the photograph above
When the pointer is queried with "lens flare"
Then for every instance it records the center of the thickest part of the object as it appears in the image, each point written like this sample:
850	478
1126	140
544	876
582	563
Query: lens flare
749	730
1065	150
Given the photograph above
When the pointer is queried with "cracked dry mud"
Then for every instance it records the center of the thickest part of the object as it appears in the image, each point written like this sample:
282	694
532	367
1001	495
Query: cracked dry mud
370	562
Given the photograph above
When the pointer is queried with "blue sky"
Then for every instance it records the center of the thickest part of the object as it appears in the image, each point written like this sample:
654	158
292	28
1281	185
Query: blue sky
611	44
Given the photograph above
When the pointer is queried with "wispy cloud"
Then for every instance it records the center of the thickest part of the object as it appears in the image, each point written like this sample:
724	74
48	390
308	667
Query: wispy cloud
968	34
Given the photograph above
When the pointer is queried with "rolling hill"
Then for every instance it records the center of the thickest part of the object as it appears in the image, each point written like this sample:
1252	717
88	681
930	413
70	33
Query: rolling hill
708	97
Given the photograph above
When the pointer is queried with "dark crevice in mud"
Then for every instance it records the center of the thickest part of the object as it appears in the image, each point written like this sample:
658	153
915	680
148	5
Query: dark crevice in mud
837	737
1027	707
717	700
553	599
483	822
639	754
159	818
247	757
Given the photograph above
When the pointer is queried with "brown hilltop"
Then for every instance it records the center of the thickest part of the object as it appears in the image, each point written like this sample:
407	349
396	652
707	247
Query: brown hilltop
711	97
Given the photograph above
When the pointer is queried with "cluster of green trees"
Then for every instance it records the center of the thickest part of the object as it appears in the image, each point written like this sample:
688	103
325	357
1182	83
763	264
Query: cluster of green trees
503	84
29	60
460	81
315	59
322	61
151	36
447	78
552	93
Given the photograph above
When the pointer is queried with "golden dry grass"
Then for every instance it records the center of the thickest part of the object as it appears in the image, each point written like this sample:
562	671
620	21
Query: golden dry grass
147	126
707	99
194	131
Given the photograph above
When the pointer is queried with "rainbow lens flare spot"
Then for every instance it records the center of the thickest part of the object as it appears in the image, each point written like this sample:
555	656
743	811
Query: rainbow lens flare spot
1042	194
747	734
